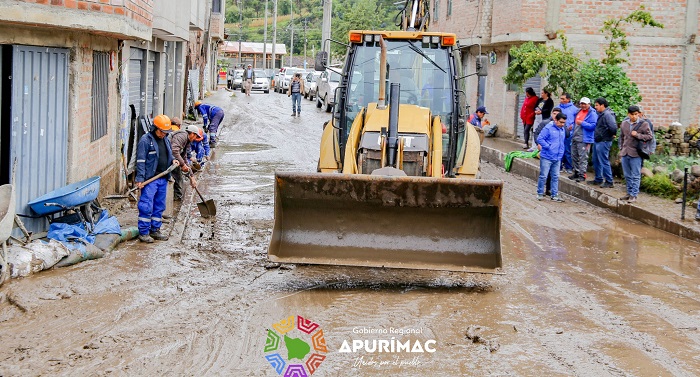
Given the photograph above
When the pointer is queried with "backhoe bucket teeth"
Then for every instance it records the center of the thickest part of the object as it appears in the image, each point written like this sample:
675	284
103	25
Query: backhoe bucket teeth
382	221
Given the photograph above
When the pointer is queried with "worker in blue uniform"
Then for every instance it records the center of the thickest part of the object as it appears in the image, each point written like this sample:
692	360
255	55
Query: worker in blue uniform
200	148
153	156
212	116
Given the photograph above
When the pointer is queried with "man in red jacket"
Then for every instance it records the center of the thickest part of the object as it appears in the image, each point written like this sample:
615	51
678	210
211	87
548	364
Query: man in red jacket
527	113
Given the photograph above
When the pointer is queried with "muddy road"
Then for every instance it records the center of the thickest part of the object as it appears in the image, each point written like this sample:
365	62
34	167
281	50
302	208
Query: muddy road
585	292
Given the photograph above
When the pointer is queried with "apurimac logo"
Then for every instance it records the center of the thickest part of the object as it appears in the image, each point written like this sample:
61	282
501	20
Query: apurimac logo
288	347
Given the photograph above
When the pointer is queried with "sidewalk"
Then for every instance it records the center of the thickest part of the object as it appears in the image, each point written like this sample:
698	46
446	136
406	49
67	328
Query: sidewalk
660	213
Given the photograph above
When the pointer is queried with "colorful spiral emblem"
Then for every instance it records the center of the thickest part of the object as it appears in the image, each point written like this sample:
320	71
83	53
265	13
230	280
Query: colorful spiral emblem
295	347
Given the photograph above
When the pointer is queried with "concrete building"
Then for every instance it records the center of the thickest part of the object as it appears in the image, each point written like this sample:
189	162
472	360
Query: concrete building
71	71
665	63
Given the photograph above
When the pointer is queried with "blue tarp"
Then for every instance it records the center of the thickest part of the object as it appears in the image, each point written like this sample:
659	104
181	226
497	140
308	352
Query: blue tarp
75	236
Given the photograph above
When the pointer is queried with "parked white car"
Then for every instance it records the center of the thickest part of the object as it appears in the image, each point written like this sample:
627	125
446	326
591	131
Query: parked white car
310	84
288	75
261	81
279	77
325	89
235	78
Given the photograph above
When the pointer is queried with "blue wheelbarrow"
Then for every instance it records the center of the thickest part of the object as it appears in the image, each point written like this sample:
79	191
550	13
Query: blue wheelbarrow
74	202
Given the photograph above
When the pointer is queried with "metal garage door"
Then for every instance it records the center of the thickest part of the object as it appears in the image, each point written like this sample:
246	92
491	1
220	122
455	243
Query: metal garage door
39	128
135	91
535	83
151	84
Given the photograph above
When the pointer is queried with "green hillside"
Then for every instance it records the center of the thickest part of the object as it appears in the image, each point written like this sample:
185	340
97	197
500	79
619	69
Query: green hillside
308	17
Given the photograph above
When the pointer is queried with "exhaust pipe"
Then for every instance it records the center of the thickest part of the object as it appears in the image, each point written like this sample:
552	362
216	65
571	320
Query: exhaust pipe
393	139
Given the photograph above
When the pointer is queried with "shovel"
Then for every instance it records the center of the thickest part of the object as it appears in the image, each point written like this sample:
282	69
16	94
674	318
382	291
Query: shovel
207	208
131	192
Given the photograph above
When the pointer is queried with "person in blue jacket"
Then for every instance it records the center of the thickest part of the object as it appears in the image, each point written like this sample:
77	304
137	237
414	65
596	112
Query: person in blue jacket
200	148
582	139
550	142
153	156
568	108
212	116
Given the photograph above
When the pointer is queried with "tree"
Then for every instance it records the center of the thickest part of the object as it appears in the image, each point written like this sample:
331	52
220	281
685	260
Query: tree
613	28
596	79
557	65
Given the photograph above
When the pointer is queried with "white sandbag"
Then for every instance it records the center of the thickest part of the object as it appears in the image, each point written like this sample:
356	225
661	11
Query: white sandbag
34	257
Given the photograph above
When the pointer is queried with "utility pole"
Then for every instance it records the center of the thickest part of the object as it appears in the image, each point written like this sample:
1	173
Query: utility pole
305	40
240	31
291	23
274	36
326	27
265	39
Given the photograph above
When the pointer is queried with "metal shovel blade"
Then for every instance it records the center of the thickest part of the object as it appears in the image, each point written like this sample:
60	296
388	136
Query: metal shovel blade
446	224
207	208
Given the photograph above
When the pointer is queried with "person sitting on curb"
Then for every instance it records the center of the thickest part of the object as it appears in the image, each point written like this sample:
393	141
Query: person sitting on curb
551	145
153	156
632	130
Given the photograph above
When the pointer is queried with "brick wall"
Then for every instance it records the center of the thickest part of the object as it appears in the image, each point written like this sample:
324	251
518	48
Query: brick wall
658	72
87	158
587	16
138	10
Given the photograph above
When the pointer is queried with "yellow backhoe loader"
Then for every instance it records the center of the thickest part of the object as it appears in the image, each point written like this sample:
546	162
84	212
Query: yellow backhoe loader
398	177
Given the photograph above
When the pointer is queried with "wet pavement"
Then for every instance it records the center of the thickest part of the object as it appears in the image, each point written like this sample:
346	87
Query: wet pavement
585	292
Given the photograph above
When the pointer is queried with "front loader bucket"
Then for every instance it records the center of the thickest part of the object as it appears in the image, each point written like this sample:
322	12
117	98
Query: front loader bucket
382	221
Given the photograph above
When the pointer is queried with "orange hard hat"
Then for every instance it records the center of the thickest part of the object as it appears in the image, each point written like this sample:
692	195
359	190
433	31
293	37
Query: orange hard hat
162	122
197	103
200	135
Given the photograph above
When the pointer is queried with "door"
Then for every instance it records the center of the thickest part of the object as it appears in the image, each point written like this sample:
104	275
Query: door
151	94
135	90
535	83
39	127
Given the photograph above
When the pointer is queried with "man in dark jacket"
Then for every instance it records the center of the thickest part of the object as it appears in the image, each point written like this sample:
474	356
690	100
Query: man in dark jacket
605	131
153	156
181	148
632	130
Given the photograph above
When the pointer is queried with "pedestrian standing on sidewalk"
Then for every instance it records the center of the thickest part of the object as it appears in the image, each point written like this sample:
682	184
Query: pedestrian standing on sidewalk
153	156
249	76
570	110
632	130
582	139
605	131
545	105
536	134
212	117
551	142
296	87
527	114
180	141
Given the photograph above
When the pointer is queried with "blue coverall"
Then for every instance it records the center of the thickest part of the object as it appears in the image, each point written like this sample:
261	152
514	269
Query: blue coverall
201	148
152	202
212	115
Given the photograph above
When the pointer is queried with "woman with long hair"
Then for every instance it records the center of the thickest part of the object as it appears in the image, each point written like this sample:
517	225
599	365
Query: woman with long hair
527	113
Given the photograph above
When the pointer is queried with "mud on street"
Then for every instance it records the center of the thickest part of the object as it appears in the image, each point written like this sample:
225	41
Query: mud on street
585	292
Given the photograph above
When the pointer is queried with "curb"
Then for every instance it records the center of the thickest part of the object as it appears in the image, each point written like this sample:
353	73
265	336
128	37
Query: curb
593	196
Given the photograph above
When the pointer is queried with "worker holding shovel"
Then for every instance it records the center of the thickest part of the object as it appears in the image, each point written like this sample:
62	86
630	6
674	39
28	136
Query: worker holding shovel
154	159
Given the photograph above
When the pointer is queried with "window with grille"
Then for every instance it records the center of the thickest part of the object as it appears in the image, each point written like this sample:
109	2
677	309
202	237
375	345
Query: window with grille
100	94
436	7
216	6
449	8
